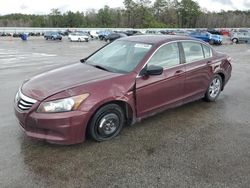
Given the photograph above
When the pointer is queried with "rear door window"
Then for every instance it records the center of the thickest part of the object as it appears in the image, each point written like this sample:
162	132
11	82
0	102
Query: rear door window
193	51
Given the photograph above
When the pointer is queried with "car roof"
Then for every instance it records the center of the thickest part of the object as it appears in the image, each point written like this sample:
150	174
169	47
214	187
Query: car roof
156	39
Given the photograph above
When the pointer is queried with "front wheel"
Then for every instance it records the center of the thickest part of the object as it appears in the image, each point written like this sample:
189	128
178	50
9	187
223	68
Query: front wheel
211	42
106	123
214	89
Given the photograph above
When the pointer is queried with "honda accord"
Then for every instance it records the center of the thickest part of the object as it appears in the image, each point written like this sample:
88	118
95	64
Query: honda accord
119	84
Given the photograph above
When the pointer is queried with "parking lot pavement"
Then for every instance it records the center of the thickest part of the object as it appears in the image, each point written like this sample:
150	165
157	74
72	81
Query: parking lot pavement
197	145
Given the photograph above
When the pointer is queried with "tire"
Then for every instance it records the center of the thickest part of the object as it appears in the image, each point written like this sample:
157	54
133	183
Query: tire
46	38
106	123
211	42
214	89
86	40
79	40
235	40
52	38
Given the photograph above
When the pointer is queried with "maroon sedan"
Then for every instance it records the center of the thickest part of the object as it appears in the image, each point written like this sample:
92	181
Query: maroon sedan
121	83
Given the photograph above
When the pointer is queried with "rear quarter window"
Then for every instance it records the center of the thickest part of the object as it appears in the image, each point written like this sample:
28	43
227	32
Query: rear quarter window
207	51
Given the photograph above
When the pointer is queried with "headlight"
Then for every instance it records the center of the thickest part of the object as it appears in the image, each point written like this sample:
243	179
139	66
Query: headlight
17	97
62	105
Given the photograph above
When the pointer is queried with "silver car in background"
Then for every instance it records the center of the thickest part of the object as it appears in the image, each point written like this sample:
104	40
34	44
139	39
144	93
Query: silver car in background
241	37
80	37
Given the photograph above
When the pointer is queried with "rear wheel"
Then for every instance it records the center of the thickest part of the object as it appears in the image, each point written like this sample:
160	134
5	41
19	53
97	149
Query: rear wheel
235	40
214	89
106	123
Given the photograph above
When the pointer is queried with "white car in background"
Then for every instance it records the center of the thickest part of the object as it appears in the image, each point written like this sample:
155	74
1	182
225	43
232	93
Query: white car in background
80	37
94	34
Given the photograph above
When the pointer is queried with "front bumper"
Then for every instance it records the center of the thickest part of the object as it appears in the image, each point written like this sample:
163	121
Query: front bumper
217	40
61	128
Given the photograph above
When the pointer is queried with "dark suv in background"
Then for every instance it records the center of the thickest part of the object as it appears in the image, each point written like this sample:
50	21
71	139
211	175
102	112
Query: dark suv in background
52	36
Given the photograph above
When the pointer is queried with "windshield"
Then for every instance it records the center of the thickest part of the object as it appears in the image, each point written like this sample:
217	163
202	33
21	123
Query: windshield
119	56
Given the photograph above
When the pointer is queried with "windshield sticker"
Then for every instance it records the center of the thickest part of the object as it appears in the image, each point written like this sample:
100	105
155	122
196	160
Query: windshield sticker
146	46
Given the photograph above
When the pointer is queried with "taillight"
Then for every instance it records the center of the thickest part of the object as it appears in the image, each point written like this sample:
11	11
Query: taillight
229	60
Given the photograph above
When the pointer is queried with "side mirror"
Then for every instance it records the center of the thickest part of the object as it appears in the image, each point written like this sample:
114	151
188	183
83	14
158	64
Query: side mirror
152	70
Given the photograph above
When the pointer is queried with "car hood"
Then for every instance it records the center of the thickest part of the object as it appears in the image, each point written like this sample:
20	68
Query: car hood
58	80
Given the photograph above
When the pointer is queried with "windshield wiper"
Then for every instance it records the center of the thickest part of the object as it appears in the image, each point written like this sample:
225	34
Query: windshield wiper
101	67
91	63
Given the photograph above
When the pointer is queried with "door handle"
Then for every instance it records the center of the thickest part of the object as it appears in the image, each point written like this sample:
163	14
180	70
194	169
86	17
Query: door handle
179	71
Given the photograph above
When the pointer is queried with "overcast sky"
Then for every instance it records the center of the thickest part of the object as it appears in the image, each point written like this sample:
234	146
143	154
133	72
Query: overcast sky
44	6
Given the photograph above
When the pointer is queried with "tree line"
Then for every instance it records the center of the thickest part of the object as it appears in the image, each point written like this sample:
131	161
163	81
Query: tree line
135	14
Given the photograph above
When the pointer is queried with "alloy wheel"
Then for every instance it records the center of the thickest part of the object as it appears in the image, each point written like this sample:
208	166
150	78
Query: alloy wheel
215	87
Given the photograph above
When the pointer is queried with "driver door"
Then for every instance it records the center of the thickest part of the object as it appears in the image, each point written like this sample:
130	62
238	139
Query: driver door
165	90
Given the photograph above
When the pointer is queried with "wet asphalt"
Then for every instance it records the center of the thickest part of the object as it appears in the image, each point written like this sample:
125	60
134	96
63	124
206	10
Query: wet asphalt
196	145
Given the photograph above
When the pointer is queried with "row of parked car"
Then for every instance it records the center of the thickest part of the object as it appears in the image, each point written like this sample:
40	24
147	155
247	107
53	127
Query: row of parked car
110	36
212	36
35	34
83	36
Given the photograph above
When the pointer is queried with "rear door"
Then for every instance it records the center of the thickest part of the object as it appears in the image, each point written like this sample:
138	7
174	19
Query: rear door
198	70
245	37
155	92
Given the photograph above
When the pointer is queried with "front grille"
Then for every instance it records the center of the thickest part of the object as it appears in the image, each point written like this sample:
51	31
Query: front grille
23	102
